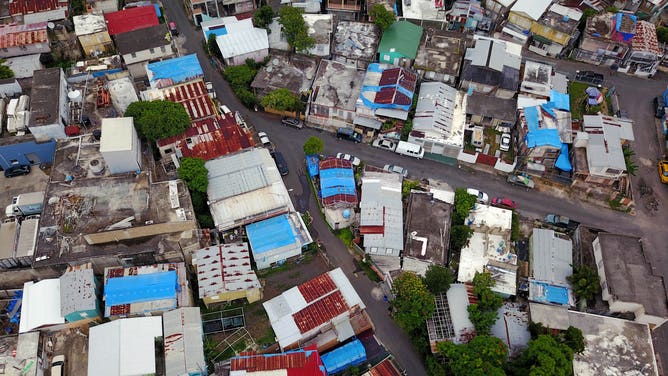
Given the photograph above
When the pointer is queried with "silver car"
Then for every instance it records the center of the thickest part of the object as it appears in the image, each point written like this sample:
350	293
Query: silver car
396	169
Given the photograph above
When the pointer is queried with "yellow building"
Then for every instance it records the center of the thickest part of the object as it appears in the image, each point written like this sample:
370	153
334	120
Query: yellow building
555	30
91	30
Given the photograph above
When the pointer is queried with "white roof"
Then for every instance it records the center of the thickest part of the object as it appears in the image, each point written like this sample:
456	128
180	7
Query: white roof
381	205
124	347
441	113
572	13
458	302
223	268
490	216
89	24
122	93
532	8
605	149
184	347
23	66
117	134
524	101
242	38
41	305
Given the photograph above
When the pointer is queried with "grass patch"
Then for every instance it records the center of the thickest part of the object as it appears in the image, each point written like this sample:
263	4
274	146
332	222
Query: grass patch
578	98
515	227
346	236
269	338
366	268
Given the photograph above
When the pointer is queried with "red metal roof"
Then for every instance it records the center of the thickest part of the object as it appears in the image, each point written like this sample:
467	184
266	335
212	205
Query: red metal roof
339	199
384	368
14	35
131	19
305	362
317	287
645	38
320	312
193	96
17	7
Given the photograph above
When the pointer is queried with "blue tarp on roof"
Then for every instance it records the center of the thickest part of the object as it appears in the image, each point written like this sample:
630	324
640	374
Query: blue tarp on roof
563	163
551	293
536	136
313	165
177	70
345	356
270	234
337	181
141	288
561	101
376	68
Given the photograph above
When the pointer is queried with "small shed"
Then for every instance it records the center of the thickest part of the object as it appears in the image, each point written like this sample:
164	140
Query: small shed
120	145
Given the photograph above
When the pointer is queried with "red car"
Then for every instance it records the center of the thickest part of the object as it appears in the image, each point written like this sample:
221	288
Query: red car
504	203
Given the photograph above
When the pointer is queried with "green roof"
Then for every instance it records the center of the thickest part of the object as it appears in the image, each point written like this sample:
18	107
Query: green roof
403	36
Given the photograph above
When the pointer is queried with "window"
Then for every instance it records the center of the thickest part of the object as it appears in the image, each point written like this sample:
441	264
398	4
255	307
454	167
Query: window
168	151
613	171
151	50
134	54
389	251
162	49
189	141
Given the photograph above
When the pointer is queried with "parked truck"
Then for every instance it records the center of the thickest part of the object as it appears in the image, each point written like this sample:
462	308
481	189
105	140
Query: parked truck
27	240
17	115
8	238
25	204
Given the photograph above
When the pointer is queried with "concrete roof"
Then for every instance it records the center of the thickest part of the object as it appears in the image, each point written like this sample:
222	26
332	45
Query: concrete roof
44	97
537	78
183	341
319	28
88	24
78	290
440	114
336	85
551	256
24	66
427	236
356	40
561	18
532	8
292	72
381	205
118	134
441	52
512	327
487	105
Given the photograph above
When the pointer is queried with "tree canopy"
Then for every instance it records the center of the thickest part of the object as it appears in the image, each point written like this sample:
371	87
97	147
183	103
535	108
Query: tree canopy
239	75
313	145
544	356
381	16
212	45
412	302
295	29
5	71
438	279
282	100
158	119
263	16
585	281
662	34
464	202
484	314
484	355
193	172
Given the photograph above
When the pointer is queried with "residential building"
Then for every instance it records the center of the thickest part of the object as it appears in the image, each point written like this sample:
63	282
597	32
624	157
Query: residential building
344	9
103	6
551	262
145	45
440	119
319	28
48	105
536	79
25	150
29	12
323	311
191	94
308	6
492	67
555	33
79	294
243	41
355	44
342	358
427	11
183	342
224	274
498	7
385	368
512	327
258	193
606	37
387	91
40	306
523	14
491	112
467	16
426	236
450	321
338	192
645	55
399	44
120	146
277	239
170	72
628	282
22	40
131	19
304	361
333	99
91	30
292	72
440	55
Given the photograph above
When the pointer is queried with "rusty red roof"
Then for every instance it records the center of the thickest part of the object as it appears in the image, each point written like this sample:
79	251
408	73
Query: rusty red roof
320	312
305	362
192	95
17	7
317	287
131	19
14	35
384	368
645	38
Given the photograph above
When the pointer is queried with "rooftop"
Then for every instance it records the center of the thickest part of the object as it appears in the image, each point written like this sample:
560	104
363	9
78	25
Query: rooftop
78	290
279	234
531	8
424	10
388	90
131	19
292	72
491	106
89	24
40	305
17	351
299	362
14	35
122	93
561	18
402	37
143	39
384	368
551	256
547	125
192	95
450	321
645	38
242	38
493	62
537	78
320	29
184	349
336	85
17	7
174	71
24	66
337	183
440	114
441	52
606	134
512	327
44	108
381	211
224	268
427	236
356	40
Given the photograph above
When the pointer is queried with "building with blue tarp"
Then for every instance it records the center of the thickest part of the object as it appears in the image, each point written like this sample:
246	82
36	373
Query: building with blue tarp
338	192
25	150
348	355
174	71
312	162
386	91
277	239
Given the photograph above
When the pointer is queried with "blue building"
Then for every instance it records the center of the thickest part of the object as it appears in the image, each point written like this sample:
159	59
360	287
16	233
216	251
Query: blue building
348	355
25	150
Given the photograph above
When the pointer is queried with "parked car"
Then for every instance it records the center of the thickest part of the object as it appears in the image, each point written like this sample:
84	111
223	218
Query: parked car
590	77
17	170
173	30
482	197
350	158
503	202
659	107
210	90
557	220
521	180
292	122
348	134
505	142
663	171
382	143
396	169
281	164
264	139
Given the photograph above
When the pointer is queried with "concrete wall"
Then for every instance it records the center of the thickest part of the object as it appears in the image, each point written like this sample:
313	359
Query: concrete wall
159	52
45	133
266	259
257	56
52	15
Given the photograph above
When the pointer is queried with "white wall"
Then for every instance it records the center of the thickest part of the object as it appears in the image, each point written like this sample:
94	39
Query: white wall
146	55
47	132
52	15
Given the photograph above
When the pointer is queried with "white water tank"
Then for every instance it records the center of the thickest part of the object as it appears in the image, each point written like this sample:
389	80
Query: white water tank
74	96
96	166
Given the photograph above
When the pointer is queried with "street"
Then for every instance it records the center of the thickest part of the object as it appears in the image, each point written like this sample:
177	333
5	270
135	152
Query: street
635	97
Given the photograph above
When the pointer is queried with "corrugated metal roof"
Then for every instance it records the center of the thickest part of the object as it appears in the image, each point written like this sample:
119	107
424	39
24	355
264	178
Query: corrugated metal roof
242	38
381	205
192	95
384	368
305	362
532	8
17	7
645	38
317	287
184	348
174	71
224	268
131	19
551	256
40	305
402	37
337	183
320	312
14	35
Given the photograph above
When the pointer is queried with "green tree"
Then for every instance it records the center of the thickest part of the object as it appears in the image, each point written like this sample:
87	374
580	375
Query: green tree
193	172
438	279
381	16
543	357
313	145
585	281
282	100
239	75
631	167
212	46
412	302
158	119
295	29
459	236
484	314
464	202
246	97
434	367
5	71
573	338
484	355
662	34
263	16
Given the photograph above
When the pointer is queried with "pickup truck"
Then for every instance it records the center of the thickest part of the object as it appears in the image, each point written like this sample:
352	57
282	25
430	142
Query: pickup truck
25	204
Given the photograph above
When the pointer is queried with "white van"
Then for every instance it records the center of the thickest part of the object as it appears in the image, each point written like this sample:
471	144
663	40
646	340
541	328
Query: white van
57	365
411	150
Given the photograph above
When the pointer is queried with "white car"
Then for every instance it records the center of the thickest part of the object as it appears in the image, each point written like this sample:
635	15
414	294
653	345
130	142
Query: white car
481	197
384	144
350	158
396	169
505	142
264	139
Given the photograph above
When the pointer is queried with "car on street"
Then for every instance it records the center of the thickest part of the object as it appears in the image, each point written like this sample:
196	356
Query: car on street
659	107
264	139
663	171
505	142
382	143
503	202
480	196
590	77
281	164
521	180
17	170
292	122
350	158
173	29
210	90
396	169
348	134
557	220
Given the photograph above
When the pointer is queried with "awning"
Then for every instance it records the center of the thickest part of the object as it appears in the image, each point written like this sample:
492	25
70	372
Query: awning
542	39
515	34
367	122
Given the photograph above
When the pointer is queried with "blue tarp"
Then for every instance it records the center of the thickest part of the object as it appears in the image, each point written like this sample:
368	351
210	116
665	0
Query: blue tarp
337	181
561	101
141	288
216	32
618	25
536	136
563	163
177	70
106	71
270	234
551	293
376	68
348	355
158	12
312	165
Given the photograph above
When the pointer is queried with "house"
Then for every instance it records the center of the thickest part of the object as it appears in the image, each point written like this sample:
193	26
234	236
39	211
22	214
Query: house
355	43
612	346
498	6
492	67
387	91
340	359
124	347
20	350
491	112
555	33
48	107
606	37
40	306
307	6
170	72
399	44
103	6
439	120
599	154
292	72
224	274
25	150
277	239
91	30
304	361
191	94
243	41
319	28
551	262
338	192
204	10
467	16
120	146
450	321
347	10
426	236
628	282
512	327
523	14
79	294
29	11
536	79
381	218
424	10
258	193
145	290
439	56
323	311
131	19
138	47
333	99
183	342
387	367
22	40
645	55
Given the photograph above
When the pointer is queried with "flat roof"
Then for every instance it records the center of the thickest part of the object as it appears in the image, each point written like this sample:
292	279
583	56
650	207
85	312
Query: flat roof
118	134
16	351
356	40
490	106
89	24
512	327
532	8
336	85
174	71
78	289
427	236
293	72
441	52
44	97
224	268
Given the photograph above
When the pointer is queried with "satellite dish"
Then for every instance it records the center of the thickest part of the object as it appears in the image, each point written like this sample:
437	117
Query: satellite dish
51	25
269	69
